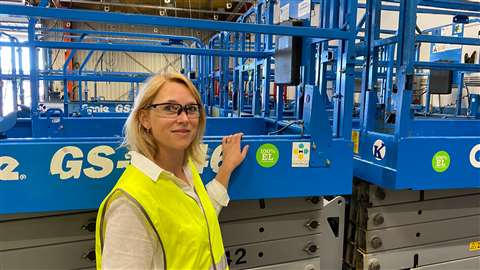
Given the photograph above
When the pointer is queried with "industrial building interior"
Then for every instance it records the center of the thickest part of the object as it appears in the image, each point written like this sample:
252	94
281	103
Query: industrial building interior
369	111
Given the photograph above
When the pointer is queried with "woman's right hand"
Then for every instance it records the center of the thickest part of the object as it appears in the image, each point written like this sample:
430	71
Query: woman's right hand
233	156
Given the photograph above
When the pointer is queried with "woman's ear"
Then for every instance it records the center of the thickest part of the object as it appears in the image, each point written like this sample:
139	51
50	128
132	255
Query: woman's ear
144	118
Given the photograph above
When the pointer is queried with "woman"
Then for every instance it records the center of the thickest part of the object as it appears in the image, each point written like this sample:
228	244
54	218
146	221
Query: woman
159	215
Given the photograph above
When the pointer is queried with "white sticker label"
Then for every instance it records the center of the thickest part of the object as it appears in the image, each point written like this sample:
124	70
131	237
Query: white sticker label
300	154
379	150
304	9
285	13
445	47
446	31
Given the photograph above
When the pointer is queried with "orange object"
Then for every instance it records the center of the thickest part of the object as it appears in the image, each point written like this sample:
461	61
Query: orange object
71	94
216	86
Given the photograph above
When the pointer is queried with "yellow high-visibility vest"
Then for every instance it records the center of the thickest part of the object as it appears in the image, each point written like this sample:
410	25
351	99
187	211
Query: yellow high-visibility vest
190	237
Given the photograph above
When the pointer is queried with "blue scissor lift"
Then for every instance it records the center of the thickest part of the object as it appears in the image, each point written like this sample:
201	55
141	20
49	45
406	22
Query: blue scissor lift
409	139
420	201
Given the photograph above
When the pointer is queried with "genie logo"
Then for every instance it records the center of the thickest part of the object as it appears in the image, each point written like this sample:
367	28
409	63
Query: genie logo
98	109
475	156
101	108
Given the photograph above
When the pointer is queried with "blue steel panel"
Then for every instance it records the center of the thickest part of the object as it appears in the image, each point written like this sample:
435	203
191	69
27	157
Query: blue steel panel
414	169
445	127
408	165
374	173
448	66
22	129
315	116
36	186
79	127
366	149
217	126
378	171
99	126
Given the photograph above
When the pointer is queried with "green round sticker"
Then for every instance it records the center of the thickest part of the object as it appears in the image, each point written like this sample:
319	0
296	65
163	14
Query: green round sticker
441	161
267	155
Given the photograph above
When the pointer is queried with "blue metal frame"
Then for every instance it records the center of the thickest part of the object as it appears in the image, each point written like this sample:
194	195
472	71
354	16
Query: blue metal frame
412	142
451	55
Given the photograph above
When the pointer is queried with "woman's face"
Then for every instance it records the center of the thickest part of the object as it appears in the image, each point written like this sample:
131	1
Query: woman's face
172	131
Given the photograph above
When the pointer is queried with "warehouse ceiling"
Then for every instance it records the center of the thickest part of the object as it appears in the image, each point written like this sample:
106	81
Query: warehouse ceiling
204	9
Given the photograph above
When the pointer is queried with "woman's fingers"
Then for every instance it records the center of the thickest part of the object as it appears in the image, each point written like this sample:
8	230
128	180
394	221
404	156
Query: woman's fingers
233	154
234	138
245	150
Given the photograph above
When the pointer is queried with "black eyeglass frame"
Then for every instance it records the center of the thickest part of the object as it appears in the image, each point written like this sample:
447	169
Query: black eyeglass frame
181	108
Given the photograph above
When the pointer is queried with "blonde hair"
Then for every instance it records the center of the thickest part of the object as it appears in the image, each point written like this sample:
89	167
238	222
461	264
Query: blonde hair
139	139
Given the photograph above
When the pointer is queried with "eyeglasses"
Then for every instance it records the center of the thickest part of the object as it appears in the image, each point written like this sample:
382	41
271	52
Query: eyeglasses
172	110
